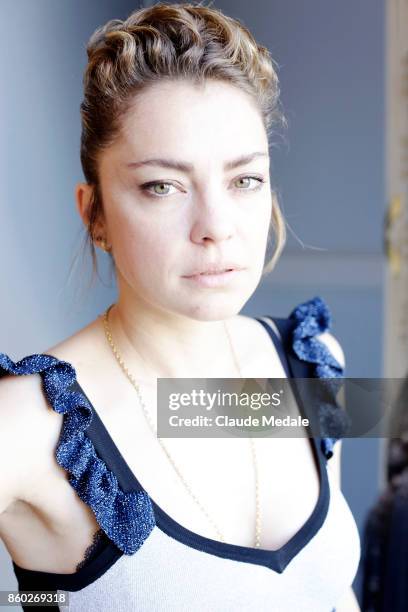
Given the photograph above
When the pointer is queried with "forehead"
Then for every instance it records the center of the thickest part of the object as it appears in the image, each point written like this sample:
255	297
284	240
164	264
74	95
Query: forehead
216	118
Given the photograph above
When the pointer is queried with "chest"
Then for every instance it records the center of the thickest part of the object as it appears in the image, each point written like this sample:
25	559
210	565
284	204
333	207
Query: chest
205	481
208	485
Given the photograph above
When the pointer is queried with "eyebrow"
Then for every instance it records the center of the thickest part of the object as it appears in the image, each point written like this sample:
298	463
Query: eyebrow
183	166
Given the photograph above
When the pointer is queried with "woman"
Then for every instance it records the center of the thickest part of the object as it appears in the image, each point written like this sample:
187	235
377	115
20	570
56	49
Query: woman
179	101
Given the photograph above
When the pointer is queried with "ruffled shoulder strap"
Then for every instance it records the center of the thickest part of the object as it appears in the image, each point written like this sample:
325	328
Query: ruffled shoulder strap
127	518
299	334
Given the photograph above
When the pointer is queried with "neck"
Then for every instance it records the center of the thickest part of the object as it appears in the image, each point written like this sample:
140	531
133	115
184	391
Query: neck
157	344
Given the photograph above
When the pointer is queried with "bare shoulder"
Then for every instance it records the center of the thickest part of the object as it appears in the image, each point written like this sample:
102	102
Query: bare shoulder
83	347
30	427
248	328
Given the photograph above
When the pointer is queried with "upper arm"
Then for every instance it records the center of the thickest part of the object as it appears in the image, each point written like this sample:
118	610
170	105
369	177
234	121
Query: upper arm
334	463
24	428
13	439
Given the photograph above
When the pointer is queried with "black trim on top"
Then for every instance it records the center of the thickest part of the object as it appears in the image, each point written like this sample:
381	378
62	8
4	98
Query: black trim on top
31	580
276	560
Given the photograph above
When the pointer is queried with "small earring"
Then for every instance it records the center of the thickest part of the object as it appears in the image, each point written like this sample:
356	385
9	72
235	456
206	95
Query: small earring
103	244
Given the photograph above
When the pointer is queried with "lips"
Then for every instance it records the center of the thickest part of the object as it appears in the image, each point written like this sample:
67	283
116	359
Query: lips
209	270
221	278
216	271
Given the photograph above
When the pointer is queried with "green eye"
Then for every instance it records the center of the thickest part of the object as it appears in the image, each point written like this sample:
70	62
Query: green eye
158	188
243	179
246	181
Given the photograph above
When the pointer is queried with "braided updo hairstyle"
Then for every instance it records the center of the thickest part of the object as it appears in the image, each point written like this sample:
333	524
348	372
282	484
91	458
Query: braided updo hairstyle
169	41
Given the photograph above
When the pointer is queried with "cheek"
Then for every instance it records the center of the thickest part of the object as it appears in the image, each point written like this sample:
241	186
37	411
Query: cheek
257	227
143	251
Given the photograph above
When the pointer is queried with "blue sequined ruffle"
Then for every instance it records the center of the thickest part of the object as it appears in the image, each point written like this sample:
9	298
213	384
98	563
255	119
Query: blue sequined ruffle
313	318
127	518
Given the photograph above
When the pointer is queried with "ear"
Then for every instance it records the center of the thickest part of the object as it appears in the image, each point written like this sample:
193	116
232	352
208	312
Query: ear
83	195
83	198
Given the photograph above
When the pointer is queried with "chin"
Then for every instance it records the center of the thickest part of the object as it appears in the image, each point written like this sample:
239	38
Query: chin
211	309
209	304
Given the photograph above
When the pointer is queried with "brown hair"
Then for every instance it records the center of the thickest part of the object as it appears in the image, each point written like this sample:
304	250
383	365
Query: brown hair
169	41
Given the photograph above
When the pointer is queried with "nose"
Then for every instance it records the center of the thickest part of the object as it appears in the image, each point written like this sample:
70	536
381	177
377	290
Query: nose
213	222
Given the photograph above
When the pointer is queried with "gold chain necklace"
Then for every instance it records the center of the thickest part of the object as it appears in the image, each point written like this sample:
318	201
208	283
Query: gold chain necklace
108	335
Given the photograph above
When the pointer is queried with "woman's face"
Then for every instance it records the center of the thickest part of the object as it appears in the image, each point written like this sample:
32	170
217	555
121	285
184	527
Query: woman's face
180	198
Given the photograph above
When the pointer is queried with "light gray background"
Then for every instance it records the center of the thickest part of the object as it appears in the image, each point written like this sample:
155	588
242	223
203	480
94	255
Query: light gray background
330	177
